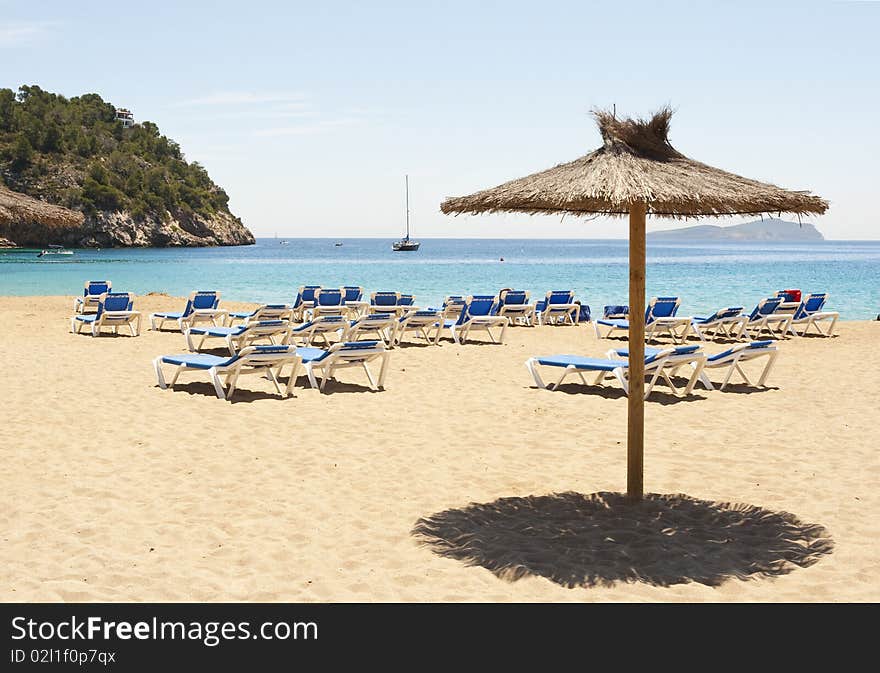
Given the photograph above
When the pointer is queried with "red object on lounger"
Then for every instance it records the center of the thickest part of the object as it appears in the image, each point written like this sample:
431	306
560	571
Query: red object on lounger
791	295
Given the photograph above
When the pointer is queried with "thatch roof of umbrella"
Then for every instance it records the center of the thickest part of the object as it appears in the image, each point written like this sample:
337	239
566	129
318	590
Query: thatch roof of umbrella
636	164
637	172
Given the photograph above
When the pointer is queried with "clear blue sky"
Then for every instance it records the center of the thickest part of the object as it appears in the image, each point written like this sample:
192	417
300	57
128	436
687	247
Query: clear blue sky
309	113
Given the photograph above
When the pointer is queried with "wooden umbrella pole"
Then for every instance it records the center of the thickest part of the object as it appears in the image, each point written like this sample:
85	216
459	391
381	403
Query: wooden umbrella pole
635	438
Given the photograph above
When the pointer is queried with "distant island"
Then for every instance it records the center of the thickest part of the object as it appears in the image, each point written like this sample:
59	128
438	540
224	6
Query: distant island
80	172
770	229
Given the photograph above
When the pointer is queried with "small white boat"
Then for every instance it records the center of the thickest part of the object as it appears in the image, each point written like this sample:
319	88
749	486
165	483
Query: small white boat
55	250
406	244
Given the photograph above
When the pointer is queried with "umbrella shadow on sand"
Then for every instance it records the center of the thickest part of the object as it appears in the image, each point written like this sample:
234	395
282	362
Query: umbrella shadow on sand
599	539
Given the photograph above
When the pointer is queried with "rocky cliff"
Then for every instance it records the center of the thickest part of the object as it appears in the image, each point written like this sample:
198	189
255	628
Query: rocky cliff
73	174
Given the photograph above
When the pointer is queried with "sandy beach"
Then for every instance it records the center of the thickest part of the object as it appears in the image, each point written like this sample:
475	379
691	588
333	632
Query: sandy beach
115	490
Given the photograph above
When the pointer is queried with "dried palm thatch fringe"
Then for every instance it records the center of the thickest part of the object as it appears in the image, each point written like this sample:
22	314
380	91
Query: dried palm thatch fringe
636	164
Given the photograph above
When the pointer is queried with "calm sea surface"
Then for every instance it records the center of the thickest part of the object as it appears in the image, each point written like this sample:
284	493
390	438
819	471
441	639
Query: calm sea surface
705	275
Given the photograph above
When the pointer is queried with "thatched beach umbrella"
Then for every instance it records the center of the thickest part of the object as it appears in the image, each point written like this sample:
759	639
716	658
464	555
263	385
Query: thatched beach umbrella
636	172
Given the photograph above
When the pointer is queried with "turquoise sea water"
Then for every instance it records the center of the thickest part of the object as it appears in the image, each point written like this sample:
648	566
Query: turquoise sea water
705	275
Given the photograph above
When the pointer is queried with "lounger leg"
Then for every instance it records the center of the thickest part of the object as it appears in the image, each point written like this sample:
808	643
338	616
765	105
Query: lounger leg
310	372
273	379
177	373
160	378
293	375
218	385
770	360
232	380
369	375
620	375
692	382
383	370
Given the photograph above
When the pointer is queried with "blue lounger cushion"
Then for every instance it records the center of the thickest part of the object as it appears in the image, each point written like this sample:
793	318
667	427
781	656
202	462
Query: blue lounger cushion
649	351
309	354
617	322
579	362
197	360
754	345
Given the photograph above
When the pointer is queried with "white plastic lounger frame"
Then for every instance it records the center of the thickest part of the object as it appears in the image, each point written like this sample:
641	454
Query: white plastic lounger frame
521	312
727	322
251	360
382	325
239	337
202	306
114	310
677	327
675	360
319	327
559	308
732	358
328	301
579	365
264	312
421	322
349	354
478	313
764	317
92	291
810	314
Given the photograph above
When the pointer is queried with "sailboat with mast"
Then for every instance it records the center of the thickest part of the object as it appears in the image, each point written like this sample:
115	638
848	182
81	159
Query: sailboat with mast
406	244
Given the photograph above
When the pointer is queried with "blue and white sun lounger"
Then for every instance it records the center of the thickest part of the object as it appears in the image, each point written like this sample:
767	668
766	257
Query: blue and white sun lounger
114	309
319	327
728	322
601	367
91	294
764	316
353	298
200	307
305	299
660	317
479	312
515	306
382	325
810	314
423	323
733	357
251	360
240	336
673	361
328	301
557	308
343	355
264	312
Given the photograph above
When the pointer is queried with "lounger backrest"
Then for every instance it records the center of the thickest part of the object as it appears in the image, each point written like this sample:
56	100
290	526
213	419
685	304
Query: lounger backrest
765	307
306	293
559	297
513	297
812	304
615	311
114	301
271	312
352	293
95	288
202	300
479	306
327	296
384	298
406	300
661	307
